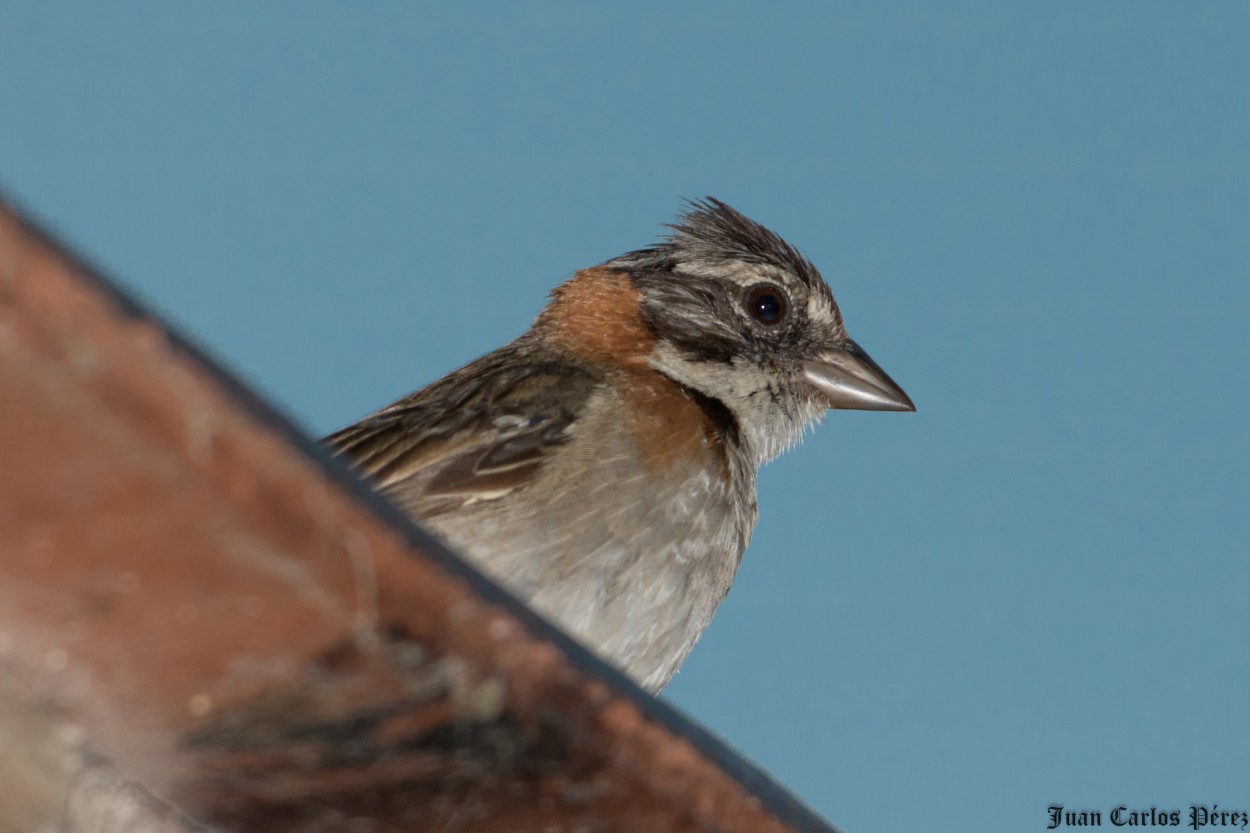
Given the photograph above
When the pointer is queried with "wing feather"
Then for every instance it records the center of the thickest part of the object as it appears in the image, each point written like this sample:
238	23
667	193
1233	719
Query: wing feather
478	434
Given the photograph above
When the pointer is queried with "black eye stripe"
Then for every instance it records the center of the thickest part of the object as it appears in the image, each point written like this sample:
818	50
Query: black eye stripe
767	304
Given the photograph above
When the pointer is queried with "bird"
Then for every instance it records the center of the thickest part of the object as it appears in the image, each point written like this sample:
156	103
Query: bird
602	466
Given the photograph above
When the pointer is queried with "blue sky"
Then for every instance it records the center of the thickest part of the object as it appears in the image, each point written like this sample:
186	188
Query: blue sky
1036	216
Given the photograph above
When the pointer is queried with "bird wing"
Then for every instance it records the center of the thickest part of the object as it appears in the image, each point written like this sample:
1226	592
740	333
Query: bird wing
478	434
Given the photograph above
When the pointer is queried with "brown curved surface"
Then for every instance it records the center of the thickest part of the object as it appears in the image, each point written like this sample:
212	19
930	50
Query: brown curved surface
193	599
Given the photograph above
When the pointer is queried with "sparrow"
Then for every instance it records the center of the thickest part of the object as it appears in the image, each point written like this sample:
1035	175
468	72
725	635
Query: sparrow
602	466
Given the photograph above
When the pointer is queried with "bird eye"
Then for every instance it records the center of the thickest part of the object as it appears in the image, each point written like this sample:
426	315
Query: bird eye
767	304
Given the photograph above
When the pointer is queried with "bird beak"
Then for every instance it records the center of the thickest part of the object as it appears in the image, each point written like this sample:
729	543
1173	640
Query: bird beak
851	380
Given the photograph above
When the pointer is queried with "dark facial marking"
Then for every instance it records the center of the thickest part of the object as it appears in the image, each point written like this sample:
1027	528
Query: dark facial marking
672	307
717	413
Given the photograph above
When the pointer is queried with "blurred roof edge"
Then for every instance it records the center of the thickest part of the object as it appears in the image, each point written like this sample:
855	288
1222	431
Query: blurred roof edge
200	604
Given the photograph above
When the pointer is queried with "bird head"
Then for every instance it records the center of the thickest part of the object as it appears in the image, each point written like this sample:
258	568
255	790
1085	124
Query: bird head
743	318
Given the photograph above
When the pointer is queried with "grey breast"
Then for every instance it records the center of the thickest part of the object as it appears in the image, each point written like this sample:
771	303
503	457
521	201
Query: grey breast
631	564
